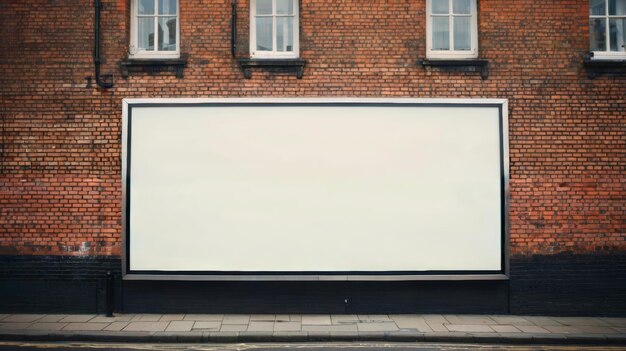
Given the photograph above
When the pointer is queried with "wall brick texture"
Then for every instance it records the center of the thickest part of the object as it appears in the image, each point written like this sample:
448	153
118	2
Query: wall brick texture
60	183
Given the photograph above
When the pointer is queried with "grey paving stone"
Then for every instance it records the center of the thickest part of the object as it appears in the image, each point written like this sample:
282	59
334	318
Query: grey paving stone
84	326
171	317
616	322
330	328
374	318
46	326
77	318
344	318
282	318
505	328
146	326
116	326
620	330
469	328
468	319
115	318
576	321
260	326
287	336
316	319
434	318
237	319
52	318
147	318
287	326
511	320
542	321
295	317
180	326
377	327
23	318
204	317
532	329
210	325
562	329
596	330
263	317
412	322
3	316
437	327
14	325
234	327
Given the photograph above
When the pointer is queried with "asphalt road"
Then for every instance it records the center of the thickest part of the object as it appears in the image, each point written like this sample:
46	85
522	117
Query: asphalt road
20	346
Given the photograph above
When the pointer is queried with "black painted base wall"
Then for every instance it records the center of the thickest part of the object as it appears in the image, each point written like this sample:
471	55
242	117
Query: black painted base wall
564	284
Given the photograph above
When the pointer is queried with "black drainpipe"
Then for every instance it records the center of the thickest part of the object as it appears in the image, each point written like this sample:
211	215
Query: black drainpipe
96	52
233	29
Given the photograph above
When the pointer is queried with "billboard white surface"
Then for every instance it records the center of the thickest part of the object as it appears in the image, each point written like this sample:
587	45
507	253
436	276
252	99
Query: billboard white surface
313	187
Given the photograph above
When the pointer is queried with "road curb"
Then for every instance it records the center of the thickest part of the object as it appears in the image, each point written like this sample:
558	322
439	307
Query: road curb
295	337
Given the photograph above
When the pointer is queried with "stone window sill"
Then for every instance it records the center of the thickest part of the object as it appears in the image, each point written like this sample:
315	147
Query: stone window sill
598	67
152	66
273	65
458	65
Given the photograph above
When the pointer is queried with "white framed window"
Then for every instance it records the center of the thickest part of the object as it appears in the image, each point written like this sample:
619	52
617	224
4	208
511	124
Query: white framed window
451	29
155	29
274	29
607	29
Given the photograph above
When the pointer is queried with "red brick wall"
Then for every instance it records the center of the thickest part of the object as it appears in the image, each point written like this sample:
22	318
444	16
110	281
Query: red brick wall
60	182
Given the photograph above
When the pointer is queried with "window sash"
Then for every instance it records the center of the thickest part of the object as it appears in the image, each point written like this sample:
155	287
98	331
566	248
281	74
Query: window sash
451	52
287	32
135	50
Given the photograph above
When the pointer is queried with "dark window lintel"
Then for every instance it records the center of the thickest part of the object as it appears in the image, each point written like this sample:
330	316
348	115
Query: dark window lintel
458	65
278	65
598	67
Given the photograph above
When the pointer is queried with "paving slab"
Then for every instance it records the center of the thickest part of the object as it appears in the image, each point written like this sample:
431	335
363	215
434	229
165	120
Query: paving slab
263	317
171	317
468	319
316	319
237	319
576	321
207	325
562	329
411	322
437	327
374	318
344	318
115	318
84	326
204	317
282	318
23	318
377	327
52	318
542	321
3	316
614	321
116	326
180	326
260	326
434	318
505	329
233	327
287	326
47	326
147	318
469	328
511	320
533	329
146	326
77	318
330	328
14	325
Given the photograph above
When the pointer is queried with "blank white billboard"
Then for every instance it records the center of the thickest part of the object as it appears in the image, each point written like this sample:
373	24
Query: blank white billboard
313	187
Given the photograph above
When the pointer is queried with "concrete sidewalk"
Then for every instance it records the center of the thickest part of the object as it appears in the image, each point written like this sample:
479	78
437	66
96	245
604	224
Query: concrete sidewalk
195	328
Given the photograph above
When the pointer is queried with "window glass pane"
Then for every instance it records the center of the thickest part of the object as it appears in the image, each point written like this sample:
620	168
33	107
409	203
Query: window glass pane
441	33
167	33
284	34
146	7
597	34
461	7
264	33
145	29
617	7
462	33
440	6
167	7
617	33
284	7
597	7
263	7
